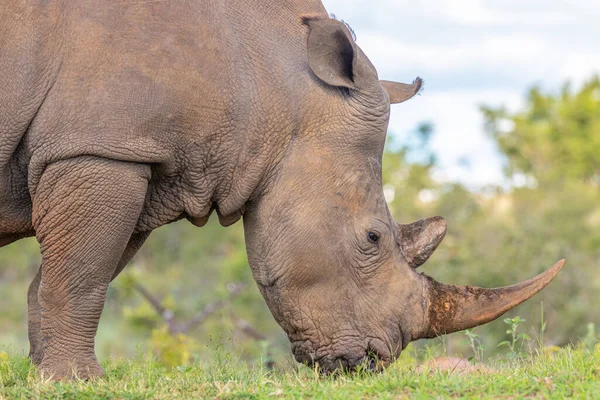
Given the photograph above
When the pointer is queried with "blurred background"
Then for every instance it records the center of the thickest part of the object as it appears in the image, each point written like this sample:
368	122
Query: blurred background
504	142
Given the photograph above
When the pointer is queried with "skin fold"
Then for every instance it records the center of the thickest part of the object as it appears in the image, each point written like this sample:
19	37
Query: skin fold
119	117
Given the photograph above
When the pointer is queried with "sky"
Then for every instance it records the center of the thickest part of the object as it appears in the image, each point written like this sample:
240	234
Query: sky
472	53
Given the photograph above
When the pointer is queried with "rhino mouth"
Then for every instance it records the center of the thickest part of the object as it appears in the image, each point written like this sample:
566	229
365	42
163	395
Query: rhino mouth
369	358
373	361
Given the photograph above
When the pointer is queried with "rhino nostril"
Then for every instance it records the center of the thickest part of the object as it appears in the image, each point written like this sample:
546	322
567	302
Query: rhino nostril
343	364
372	364
373	361
369	362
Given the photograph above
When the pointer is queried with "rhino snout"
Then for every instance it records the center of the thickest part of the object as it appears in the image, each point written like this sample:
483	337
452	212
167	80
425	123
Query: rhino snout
348	358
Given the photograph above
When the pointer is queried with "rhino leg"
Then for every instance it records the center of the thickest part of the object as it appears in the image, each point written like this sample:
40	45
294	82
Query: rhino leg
33	305
33	317
136	241
85	211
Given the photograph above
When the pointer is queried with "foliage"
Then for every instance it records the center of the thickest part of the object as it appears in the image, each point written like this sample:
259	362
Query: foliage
591	338
172	350
515	339
475	345
555	138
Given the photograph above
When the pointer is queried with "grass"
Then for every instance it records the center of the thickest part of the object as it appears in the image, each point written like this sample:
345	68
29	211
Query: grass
571	372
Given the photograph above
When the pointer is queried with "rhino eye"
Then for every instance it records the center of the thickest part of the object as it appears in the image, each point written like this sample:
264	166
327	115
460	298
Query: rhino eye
373	237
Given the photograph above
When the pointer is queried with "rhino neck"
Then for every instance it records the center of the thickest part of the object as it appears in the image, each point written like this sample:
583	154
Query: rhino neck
270	92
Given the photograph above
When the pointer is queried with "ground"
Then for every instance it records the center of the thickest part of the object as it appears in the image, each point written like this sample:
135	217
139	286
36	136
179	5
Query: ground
562	373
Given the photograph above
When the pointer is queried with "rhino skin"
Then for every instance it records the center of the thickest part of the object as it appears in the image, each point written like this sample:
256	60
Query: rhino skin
119	117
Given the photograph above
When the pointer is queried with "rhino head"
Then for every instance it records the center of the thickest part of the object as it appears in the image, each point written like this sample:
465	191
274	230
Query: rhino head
337	272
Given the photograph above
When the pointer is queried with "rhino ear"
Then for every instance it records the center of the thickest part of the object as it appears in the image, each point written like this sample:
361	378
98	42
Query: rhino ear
419	240
400	92
332	53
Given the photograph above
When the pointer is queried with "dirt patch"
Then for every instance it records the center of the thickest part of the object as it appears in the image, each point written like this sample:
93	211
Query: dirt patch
460	366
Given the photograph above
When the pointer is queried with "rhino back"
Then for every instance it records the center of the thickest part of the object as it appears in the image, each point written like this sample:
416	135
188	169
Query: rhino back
207	92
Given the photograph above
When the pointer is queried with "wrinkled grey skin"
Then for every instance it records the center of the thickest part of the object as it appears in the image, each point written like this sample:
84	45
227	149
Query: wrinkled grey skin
119	117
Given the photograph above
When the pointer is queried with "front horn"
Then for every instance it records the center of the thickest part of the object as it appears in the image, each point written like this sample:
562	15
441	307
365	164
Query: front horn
455	308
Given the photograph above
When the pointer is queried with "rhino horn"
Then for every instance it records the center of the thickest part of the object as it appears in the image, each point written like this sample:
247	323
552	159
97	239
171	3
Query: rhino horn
419	240
455	308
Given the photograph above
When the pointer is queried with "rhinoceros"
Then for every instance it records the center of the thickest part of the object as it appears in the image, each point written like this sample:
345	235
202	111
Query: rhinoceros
119	117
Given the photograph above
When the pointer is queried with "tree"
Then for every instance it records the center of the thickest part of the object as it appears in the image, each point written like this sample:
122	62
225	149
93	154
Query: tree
555	138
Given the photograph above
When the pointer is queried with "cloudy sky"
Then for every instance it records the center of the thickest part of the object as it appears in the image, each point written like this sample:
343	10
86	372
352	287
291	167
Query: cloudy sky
473	52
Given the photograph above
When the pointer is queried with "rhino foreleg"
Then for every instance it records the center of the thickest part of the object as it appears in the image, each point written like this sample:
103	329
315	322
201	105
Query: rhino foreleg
85	211
137	240
33	319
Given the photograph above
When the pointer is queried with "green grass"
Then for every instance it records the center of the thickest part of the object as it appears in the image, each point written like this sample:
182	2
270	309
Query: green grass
568	372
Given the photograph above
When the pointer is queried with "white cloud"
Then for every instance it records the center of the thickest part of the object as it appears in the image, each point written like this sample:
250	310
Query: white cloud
481	12
458	132
509	54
